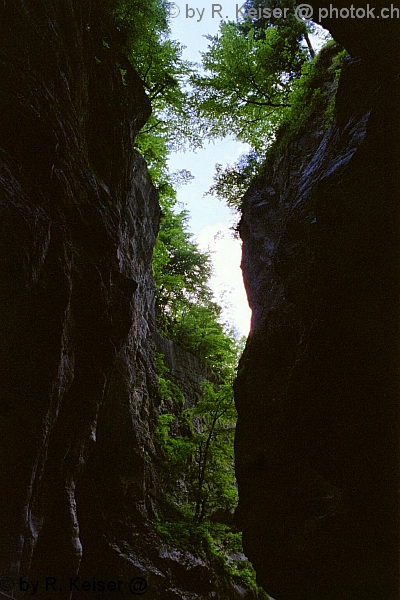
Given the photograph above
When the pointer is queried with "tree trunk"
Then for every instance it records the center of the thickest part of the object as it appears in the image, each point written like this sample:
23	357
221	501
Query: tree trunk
310	48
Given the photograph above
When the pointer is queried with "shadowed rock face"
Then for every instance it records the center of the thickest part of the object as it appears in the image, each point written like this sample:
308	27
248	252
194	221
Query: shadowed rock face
79	399
318	385
374	37
78	222
186	369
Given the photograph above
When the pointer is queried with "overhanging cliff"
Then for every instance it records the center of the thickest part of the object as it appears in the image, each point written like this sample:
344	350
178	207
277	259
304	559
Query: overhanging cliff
318	386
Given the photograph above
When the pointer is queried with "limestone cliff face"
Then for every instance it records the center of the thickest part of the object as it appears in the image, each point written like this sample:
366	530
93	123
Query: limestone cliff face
79	397
318	386
186	369
78	221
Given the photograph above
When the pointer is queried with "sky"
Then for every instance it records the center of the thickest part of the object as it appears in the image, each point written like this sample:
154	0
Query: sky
210	219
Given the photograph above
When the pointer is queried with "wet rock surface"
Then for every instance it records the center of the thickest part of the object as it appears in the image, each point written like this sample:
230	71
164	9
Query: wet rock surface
318	385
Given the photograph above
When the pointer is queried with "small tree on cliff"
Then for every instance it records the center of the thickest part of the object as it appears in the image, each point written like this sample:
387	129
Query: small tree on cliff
202	460
213	483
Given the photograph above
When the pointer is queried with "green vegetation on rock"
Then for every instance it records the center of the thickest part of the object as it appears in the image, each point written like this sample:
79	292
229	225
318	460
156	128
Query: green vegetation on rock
197	471
311	93
260	81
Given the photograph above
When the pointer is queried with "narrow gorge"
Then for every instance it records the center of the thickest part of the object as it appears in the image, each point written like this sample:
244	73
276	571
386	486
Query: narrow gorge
317	390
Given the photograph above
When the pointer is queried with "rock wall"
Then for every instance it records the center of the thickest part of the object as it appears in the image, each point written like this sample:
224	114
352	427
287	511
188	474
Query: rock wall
187	370
79	216
318	386
79	400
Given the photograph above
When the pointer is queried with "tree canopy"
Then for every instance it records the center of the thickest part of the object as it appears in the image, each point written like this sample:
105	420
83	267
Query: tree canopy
249	70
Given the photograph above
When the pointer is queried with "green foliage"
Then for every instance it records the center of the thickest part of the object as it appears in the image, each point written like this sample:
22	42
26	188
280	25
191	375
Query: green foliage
305	96
201	460
261	80
186	310
196	444
143	35
232	181
337	65
213	480
315	90
198	475
250	67
164	73
167	387
312	91
245	88
181	271
214	542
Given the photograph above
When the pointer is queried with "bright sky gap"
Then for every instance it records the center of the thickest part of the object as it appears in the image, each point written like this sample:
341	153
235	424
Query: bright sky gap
211	221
